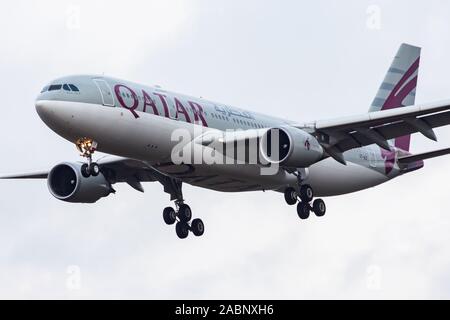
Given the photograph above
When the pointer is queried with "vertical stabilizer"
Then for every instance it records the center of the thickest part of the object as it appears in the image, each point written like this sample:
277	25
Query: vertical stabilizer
399	86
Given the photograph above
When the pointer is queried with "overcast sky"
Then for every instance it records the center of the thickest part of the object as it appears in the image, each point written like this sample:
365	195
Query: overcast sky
298	60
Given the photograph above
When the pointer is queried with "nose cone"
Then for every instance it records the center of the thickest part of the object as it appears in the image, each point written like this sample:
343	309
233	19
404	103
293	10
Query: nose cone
55	116
41	108
45	111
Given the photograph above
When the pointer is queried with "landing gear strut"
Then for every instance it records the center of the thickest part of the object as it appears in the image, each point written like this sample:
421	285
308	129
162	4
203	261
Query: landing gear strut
87	147
181	215
304	196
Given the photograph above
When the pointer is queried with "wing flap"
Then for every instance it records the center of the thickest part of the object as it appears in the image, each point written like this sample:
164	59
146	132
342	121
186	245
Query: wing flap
379	118
378	127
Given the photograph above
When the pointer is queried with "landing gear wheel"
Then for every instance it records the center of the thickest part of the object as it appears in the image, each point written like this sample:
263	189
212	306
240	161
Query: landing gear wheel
185	213
85	172
319	207
169	216
290	195
303	210
306	193
90	170
94	169
197	227
182	229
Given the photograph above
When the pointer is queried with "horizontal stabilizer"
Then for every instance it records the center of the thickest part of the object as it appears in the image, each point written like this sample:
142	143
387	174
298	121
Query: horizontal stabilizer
422	156
34	175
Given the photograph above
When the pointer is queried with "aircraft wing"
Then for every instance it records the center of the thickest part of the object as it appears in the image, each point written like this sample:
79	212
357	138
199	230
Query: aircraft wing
126	170
340	135
33	175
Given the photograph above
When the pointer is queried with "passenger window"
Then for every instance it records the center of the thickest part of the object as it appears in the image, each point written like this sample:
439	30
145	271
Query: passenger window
66	87
74	88
55	87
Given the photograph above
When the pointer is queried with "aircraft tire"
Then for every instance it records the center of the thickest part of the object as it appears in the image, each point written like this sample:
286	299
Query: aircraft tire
85	172
303	210
94	169
290	195
319	207
306	193
185	213
197	227
182	229
169	216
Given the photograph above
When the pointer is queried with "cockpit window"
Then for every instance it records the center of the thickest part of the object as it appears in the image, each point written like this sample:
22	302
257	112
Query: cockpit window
74	88
65	87
55	87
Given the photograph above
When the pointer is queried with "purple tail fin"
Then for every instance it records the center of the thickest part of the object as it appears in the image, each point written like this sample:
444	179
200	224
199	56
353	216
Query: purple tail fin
399	86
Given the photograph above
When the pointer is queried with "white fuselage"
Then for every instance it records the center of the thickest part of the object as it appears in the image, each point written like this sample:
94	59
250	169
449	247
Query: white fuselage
135	121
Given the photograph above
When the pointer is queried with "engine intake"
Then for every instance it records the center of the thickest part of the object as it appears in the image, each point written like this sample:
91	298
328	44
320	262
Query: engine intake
290	147
65	182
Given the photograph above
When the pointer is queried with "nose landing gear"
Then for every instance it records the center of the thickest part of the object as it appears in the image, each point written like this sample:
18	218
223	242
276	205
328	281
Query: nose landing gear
87	147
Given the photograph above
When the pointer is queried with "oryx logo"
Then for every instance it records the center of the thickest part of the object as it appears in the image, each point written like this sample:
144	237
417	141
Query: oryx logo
307	144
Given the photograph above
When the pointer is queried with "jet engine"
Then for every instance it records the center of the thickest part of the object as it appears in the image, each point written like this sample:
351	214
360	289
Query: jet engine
290	147
66	183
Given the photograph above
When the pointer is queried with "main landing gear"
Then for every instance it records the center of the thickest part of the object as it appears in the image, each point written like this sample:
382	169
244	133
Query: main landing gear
87	147
181	215
306	196
182	218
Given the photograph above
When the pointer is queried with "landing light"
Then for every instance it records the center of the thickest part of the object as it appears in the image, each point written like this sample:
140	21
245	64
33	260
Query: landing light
86	146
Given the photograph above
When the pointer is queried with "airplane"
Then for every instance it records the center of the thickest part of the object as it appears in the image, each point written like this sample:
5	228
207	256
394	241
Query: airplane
134	125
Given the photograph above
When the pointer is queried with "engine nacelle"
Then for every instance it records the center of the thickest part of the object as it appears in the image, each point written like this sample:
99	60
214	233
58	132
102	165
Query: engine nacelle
290	147
66	183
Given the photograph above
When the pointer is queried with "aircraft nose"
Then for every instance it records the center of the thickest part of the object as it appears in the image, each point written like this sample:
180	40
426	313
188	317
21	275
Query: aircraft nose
44	110
56	116
52	114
